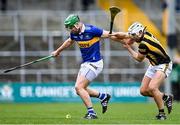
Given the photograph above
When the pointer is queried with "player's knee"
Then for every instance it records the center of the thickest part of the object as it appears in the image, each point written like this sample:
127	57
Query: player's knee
143	91
152	89
78	88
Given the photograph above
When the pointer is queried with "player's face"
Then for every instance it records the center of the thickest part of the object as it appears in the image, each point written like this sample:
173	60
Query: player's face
133	36
75	29
136	37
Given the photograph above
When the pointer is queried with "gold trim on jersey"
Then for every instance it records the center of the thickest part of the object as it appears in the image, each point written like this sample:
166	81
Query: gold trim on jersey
152	63
165	68
155	52
88	43
154	49
152	38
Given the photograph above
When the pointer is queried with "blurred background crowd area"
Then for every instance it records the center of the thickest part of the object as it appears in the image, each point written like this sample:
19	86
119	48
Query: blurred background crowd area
31	29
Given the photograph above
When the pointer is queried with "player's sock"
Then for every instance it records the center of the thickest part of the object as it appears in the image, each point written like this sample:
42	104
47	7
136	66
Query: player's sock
161	115
161	110
168	100
91	111
165	97
102	96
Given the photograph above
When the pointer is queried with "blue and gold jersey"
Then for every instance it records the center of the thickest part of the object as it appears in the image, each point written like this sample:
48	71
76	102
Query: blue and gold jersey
89	43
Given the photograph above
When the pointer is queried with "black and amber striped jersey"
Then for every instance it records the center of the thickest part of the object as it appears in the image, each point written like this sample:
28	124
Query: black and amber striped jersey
153	50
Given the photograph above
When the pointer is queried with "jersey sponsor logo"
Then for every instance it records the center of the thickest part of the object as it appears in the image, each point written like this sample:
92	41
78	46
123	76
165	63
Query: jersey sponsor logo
88	43
84	45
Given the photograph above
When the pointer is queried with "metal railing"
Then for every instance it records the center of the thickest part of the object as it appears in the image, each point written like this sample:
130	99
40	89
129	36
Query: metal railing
18	32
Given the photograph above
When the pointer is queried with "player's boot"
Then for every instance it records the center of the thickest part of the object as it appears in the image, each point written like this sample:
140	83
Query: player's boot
168	102
104	103
90	116
161	116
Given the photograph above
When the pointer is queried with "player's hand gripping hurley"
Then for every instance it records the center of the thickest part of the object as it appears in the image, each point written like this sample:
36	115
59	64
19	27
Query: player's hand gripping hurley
29	63
113	11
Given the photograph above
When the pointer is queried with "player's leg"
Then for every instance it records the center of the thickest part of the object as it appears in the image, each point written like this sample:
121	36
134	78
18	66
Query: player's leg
96	94
144	86
104	98
168	99
80	87
87	73
92	92
96	68
154	85
144	89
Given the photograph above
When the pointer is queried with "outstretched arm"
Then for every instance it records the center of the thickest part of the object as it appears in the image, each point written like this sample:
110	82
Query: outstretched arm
119	36
136	55
105	34
65	45
116	36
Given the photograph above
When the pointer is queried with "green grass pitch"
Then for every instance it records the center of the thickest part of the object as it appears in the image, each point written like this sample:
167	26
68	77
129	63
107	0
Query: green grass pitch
55	113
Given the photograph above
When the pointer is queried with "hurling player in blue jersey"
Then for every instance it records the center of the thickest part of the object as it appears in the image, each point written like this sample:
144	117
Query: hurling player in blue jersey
88	39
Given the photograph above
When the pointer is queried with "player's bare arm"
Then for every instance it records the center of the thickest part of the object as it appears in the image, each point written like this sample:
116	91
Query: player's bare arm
65	45
136	55
105	34
119	36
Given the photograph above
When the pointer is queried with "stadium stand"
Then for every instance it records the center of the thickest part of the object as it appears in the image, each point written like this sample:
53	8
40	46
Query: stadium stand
29	31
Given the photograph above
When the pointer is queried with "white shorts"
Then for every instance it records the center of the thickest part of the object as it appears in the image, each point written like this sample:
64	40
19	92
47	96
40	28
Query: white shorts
166	68
91	69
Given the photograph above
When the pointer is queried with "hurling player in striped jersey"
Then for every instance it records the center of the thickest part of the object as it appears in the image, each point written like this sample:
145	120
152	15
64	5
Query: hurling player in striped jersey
160	64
